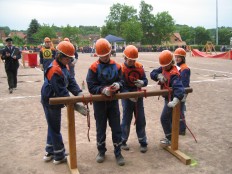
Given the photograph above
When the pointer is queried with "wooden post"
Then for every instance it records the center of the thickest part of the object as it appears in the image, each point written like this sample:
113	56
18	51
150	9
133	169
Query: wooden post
175	126
175	137
72	158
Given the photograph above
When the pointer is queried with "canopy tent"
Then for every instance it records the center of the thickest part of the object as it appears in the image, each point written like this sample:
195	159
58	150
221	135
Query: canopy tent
112	38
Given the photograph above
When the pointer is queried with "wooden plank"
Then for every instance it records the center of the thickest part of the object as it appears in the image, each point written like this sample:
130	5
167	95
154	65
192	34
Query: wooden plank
180	155
72	171
71	136
175	127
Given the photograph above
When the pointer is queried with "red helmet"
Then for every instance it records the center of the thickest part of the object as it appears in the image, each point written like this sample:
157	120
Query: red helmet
131	52
165	58
47	39
180	52
103	47
66	48
66	39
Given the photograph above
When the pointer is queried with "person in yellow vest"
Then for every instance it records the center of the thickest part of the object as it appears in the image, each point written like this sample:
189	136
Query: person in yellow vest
134	78
185	73
47	54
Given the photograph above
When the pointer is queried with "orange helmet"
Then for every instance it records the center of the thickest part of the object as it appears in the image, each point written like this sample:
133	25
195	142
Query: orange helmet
66	48
131	52
165	58
180	52
103	47
47	39
66	39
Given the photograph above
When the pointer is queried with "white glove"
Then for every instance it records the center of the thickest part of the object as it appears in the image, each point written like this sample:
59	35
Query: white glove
107	91
115	86
173	103
184	98
161	78
41	67
81	109
139	83
133	99
80	94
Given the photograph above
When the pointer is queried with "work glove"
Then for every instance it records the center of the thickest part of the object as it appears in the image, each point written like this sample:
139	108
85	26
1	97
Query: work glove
133	99
161	78
173	103
139	83
184	98
115	86
107	91
41	67
81	109
80	94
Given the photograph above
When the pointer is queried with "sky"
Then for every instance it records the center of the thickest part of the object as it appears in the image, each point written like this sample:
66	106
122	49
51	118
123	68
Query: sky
17	14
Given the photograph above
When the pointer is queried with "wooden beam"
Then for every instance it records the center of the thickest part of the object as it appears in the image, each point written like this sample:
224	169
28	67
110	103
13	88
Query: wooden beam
71	137
181	156
74	170
89	98
175	127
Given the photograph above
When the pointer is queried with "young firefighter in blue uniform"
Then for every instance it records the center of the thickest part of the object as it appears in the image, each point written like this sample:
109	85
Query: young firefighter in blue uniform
134	78
58	83
47	54
10	56
72	63
168	77
104	77
185	73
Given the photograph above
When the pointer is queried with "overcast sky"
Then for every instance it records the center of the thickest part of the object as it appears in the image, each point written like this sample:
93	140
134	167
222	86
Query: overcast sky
17	14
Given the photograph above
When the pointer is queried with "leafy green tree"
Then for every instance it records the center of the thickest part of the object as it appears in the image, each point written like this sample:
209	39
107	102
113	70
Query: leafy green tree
44	31
147	20
164	27
119	14
187	33
33	28
132	31
18	41
109	28
224	35
71	33
201	36
6	29
86	30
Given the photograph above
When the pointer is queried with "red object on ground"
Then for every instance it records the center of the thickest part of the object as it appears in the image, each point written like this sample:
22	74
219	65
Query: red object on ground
32	60
225	55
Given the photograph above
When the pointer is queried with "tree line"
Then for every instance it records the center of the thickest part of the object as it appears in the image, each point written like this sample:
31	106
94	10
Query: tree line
124	21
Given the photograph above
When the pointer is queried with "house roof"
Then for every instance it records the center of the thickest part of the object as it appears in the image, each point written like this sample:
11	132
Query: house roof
18	33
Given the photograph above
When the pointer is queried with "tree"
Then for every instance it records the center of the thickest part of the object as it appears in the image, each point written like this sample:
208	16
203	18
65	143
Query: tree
164	27
147	21
44	31
18	41
224	35
187	33
132	31
6	30
33	28
119	14
201	36
109	28
71	33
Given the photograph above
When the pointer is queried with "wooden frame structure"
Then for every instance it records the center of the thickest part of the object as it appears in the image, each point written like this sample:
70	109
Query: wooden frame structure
70	101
